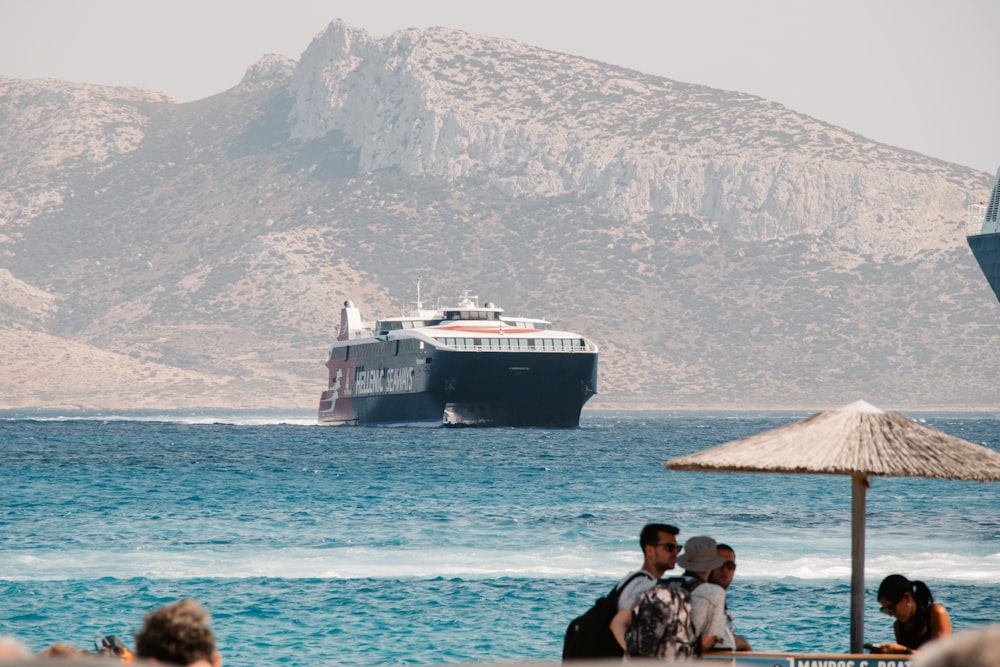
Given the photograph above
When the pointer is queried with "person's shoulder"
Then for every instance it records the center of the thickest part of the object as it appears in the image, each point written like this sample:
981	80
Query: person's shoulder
709	590
694	584
939	621
635	578
678	580
637	575
632	587
938	612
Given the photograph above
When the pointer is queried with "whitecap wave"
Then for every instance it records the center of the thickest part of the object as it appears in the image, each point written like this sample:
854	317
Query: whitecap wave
395	563
200	417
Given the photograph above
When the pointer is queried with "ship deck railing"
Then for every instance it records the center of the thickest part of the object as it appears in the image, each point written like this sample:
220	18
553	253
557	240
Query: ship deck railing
566	349
975	221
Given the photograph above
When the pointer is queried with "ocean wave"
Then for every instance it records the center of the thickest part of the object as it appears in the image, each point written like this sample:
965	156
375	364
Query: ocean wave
191	417
395	563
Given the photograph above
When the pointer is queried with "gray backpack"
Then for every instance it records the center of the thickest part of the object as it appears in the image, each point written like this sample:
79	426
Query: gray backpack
661	621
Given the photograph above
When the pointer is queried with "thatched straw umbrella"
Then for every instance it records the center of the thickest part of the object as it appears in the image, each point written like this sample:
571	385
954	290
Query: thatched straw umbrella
857	440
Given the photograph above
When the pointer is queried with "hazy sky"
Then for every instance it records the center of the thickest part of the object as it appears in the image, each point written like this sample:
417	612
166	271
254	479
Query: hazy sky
918	74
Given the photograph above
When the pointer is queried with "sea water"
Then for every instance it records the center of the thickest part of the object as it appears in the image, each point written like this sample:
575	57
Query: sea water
366	546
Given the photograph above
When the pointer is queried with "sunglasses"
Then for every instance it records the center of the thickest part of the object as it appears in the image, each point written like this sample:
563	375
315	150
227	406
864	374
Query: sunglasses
669	546
729	565
889	609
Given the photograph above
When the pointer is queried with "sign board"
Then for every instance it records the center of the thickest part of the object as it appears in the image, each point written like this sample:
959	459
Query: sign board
807	660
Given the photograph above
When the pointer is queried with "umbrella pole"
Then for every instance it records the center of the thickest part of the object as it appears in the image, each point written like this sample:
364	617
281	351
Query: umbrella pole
859	486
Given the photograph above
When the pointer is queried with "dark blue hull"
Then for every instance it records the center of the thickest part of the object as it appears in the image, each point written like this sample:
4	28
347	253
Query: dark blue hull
443	387
986	249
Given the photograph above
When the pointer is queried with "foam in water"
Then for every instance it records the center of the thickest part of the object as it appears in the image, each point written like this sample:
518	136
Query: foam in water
359	562
232	417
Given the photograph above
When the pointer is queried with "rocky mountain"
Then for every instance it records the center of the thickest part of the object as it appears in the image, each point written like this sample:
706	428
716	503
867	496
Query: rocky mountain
723	250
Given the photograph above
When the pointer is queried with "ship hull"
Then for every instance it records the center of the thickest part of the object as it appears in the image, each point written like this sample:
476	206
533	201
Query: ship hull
986	249
420	385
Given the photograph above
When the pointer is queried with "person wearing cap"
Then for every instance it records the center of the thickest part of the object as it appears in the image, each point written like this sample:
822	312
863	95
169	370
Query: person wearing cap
708	600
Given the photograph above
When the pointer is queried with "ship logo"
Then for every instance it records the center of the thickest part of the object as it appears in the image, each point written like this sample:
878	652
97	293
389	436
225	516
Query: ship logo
334	390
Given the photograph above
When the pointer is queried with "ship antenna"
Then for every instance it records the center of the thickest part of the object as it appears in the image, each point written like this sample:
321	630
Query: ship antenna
420	304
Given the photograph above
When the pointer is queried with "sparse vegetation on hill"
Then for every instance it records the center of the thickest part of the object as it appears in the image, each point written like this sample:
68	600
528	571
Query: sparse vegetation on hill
722	250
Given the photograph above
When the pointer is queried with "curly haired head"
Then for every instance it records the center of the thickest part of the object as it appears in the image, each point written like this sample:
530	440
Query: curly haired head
177	633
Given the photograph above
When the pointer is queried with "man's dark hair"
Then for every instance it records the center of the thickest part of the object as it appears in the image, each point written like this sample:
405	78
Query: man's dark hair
724	546
651	533
178	633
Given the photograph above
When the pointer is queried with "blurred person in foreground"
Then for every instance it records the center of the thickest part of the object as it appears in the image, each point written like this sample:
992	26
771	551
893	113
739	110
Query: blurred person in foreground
12	648
723	576
62	650
974	648
179	634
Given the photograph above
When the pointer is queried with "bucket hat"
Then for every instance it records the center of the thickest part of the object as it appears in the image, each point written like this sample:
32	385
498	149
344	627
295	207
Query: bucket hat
700	555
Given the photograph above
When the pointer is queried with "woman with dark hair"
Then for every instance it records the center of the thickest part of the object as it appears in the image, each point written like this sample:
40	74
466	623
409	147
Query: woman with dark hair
918	618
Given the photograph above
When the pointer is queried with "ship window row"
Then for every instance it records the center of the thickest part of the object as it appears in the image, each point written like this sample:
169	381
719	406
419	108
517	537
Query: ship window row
383	326
526	344
376	349
528	325
470	315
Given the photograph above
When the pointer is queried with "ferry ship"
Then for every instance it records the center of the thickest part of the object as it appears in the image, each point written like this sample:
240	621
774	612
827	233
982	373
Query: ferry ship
456	366
986	244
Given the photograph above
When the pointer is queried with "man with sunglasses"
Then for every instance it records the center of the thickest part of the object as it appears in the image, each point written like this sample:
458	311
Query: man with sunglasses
589	636
658	542
723	576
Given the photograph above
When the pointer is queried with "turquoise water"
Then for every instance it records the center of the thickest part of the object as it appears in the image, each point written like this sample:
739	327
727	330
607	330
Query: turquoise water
356	546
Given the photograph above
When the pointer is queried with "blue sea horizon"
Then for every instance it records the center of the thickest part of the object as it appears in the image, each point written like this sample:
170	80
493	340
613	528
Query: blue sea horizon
366	546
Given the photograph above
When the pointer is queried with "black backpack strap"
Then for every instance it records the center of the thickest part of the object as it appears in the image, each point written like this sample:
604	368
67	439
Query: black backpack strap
617	590
687	582
624	584
693	583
